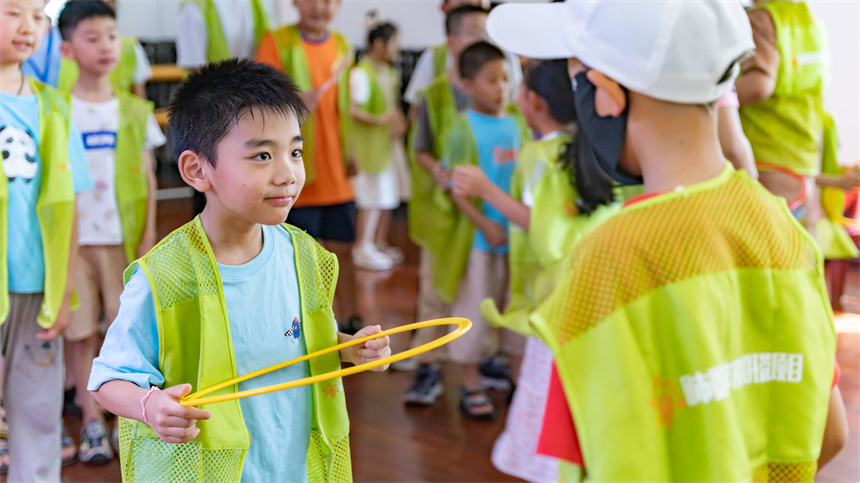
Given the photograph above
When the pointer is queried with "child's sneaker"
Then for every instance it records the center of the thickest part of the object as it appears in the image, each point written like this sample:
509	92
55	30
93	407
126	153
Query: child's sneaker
95	448
371	259
426	387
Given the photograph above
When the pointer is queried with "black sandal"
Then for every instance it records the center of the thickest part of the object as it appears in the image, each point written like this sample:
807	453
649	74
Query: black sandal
473	398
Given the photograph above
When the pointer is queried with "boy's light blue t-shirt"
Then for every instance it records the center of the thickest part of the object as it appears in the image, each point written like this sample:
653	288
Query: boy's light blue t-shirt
44	64
262	299
498	140
19	143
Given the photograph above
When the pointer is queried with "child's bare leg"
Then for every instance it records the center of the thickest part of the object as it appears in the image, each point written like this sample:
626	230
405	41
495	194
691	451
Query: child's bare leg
367	222
382	229
80	358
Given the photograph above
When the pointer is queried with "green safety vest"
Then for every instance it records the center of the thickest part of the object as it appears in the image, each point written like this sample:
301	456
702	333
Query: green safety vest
218	49
442	113
371	144
132	183
786	128
289	42
122	76
440	59
55	207
694	339
556	227
195	347
451	242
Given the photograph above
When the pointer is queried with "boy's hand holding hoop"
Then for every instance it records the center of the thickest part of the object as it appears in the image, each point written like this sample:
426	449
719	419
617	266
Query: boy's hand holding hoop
172	422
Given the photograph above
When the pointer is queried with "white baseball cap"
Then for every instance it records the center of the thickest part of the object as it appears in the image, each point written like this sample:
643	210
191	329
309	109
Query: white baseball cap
684	51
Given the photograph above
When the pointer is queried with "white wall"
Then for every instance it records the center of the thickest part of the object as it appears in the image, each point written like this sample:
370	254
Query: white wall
842	20
421	24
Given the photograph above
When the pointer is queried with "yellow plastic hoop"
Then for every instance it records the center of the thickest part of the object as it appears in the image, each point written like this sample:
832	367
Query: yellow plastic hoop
832	202
463	326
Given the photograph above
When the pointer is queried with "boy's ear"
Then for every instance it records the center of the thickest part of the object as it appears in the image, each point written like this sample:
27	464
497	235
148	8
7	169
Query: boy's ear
537	103
609	98
192	168
66	50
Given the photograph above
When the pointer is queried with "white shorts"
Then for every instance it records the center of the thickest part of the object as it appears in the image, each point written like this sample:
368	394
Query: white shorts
376	191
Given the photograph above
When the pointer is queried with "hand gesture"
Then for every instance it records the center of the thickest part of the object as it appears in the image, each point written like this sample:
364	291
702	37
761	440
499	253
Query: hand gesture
441	176
172	422
494	233
469	181
371	350
850	180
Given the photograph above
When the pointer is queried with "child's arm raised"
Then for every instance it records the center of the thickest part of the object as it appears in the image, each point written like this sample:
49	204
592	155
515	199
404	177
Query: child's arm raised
370	351
470	180
172	422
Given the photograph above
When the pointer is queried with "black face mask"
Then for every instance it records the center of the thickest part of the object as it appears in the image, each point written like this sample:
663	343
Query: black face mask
602	138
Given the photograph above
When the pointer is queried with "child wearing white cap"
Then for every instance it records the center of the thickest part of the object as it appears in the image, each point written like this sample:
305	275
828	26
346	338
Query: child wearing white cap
692	335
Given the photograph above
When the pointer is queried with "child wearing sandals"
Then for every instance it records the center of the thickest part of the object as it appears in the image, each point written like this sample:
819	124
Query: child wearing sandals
471	264
555	200
377	130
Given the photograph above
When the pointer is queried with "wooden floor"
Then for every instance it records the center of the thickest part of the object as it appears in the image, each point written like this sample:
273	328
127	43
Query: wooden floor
391	443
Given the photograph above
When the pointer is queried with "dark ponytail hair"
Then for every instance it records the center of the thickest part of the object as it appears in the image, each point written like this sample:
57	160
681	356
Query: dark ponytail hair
549	80
378	29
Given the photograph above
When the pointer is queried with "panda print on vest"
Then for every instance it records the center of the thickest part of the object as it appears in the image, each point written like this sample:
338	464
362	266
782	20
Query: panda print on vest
19	154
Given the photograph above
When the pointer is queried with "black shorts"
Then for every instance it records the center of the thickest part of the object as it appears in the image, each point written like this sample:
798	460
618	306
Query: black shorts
328	223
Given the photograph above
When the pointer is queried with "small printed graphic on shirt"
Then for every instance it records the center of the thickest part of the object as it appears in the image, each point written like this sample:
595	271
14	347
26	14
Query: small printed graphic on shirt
504	156
295	330
19	154
99	140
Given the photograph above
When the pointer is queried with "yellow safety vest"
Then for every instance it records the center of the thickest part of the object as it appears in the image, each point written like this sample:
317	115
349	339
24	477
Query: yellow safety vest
195	347
55	207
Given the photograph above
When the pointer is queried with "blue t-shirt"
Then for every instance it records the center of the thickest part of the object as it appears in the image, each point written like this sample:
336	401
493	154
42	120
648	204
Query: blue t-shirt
262	300
44	64
498	140
19	142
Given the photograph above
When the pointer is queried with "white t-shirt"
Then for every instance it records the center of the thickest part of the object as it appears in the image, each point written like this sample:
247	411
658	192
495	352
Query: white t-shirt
142	69
237	22
99	222
422	76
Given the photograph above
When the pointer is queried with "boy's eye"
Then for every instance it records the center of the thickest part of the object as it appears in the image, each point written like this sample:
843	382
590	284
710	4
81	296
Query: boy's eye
297	153
263	157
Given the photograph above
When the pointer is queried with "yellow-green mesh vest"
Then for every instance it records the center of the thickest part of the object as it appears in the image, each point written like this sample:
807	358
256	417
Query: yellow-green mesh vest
694	339
786	128
556	226
440	59
217	49
55	207
371	144
834	240
195	347
131	175
451	242
122	76
442	113
288	39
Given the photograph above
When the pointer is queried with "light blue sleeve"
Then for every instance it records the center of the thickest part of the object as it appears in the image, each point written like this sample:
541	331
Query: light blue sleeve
81	177
130	350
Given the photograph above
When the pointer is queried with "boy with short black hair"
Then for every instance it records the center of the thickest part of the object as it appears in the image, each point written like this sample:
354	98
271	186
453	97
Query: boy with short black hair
692	335
117	219
471	265
43	167
437	107
256	291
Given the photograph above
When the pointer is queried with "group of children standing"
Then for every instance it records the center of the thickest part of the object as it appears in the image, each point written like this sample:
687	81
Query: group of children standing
696	310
